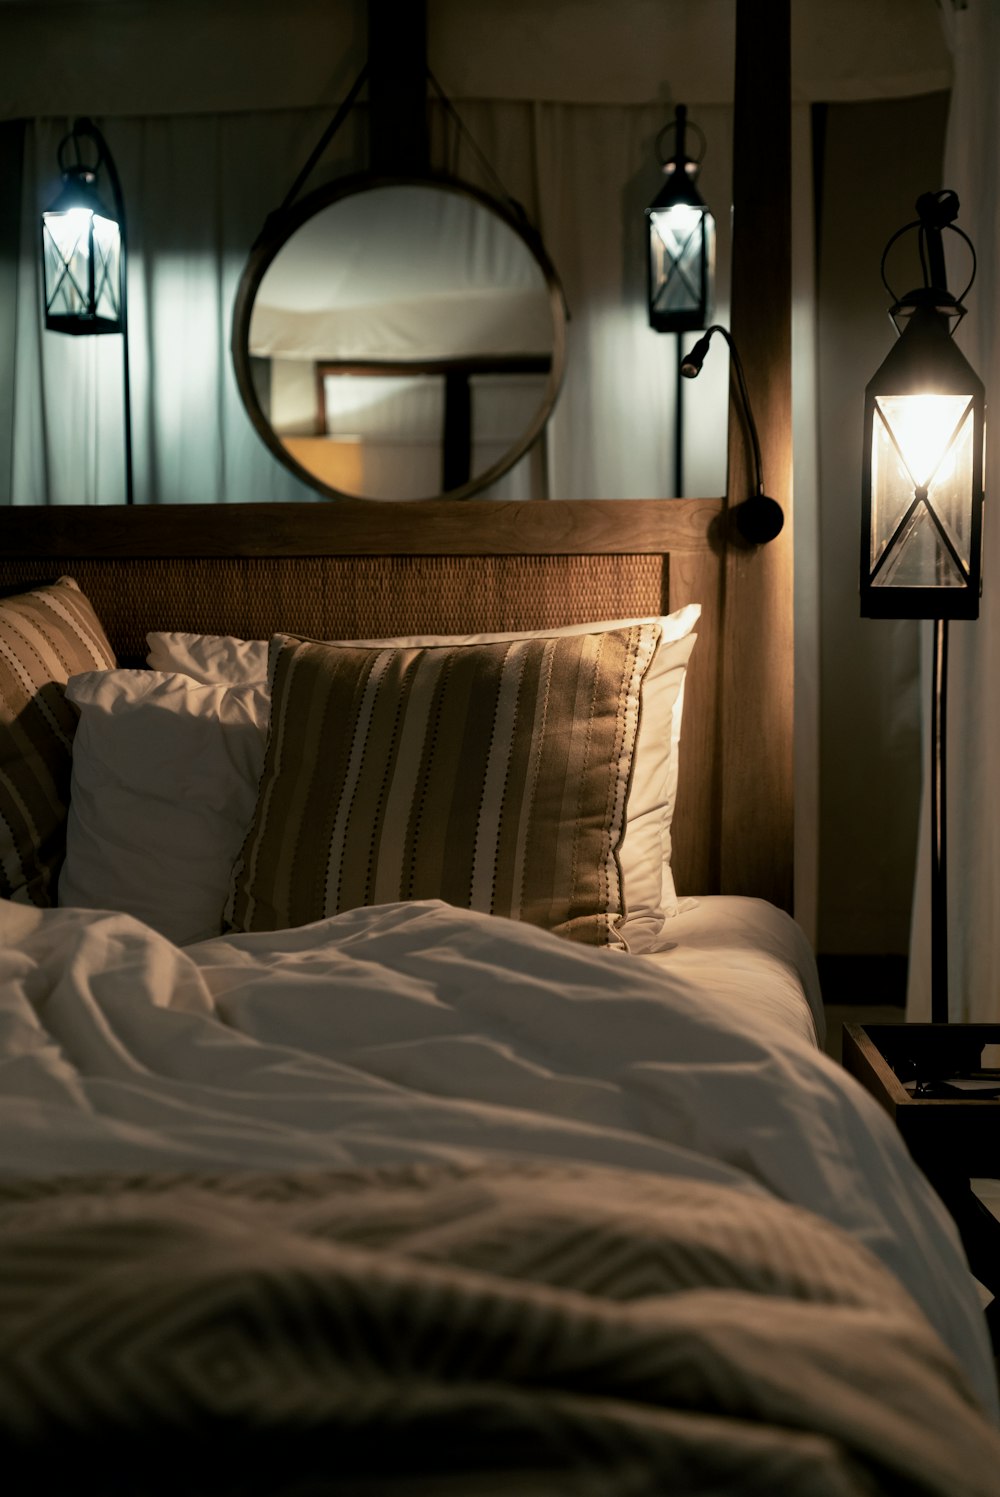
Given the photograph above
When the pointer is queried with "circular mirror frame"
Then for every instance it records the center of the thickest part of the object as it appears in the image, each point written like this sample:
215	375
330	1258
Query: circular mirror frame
280	227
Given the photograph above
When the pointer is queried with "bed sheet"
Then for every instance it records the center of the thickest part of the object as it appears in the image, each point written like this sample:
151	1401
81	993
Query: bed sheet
748	954
418	1033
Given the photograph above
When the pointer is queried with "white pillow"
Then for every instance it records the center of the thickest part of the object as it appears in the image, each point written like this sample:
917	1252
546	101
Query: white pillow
648	880
164	784
212	659
224	660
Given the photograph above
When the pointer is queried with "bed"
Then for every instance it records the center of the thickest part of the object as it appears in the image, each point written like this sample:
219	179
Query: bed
412	1168
499	1157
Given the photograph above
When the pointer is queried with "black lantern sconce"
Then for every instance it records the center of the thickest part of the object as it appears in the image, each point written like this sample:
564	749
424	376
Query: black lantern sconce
681	262
83	254
922	483
922	503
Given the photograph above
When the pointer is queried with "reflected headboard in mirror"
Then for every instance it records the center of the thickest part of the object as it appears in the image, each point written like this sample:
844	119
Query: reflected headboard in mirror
398	338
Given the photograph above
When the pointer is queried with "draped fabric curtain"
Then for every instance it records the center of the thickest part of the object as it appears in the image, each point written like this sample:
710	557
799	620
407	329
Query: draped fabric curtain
973	821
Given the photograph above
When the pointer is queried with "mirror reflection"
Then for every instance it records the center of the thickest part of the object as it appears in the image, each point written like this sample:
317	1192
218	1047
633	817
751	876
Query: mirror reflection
403	341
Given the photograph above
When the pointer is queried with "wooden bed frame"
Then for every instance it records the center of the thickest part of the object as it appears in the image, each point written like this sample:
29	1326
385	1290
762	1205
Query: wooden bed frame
365	569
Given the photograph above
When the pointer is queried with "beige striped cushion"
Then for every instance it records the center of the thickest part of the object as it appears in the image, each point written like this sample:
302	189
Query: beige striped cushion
492	776
46	636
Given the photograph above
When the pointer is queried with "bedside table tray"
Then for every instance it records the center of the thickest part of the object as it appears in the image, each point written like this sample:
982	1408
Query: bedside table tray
936	1127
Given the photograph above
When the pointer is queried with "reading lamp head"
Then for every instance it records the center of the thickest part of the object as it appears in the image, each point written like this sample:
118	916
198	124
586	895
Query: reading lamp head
691	366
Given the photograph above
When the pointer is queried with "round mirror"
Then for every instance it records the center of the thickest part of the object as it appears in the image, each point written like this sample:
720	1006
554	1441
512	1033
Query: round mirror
398	338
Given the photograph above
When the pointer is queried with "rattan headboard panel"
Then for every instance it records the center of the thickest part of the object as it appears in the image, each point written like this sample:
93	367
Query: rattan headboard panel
336	597
365	571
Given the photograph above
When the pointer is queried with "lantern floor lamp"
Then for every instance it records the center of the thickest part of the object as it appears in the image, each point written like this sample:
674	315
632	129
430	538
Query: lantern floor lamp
922	501
83	256
680	263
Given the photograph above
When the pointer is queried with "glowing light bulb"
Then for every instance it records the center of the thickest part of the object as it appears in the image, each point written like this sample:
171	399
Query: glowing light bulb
923	427
676	224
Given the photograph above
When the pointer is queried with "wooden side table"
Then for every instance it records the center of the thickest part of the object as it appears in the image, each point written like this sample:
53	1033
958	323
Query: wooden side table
952	1138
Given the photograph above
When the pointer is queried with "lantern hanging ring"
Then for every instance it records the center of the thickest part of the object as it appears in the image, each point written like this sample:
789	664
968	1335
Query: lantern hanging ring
937	211
83	129
681	124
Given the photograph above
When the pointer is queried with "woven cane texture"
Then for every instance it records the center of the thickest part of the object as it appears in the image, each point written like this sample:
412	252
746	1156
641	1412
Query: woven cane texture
336	597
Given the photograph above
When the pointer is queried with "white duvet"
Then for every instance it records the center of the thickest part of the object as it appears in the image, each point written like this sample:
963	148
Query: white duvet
419	1031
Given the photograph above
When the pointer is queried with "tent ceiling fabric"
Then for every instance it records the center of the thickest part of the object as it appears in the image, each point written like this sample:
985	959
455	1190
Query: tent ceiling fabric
146	57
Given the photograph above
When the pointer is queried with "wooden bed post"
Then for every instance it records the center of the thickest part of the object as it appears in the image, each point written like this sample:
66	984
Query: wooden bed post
757	644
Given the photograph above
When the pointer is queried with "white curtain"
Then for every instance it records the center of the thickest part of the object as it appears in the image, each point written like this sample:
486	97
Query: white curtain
973	802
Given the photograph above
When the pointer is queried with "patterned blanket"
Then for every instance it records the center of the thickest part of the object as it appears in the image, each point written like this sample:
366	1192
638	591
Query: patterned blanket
467	1329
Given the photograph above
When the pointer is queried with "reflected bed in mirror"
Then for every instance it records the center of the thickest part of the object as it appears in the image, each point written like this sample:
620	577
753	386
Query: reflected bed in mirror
399	338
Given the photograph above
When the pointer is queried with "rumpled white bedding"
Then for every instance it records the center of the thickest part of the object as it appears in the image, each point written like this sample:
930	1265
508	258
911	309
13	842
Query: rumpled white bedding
751	954
417	1031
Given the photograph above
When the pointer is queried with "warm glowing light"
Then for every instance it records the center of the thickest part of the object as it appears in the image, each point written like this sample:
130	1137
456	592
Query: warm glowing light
681	266
923	427
675	225
921	476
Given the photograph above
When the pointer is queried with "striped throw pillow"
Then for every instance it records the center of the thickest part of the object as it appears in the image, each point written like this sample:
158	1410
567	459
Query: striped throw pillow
492	776
46	636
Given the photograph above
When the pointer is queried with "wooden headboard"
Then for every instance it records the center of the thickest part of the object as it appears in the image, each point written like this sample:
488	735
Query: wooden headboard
367	569
350	571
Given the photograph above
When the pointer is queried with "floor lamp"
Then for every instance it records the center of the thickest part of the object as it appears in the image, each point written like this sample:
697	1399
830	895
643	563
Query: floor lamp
83	255
922	500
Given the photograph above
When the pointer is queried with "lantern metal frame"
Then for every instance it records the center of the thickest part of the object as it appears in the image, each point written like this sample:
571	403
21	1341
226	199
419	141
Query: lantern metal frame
99	285
100	281
665	268
925	361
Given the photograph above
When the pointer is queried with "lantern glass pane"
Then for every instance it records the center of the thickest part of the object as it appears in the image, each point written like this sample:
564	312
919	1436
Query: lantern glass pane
66	243
682	256
107	251
75	243
922	490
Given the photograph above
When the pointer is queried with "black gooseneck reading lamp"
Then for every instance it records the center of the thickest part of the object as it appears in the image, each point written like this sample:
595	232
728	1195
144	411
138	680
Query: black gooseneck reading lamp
83	255
758	518
922	499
